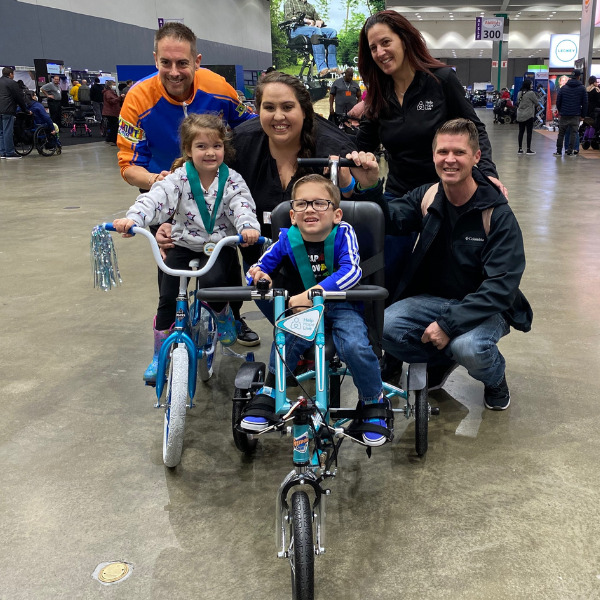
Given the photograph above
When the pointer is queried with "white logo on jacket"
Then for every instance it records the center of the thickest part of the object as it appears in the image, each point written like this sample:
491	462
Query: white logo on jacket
425	105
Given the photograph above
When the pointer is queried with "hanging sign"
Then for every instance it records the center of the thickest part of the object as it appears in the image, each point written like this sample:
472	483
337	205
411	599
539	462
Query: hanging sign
489	28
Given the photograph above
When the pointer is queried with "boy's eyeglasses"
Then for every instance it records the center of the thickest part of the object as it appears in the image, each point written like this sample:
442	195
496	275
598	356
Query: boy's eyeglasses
319	204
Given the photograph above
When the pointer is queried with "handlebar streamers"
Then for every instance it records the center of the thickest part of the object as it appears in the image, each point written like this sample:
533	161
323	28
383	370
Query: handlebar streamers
103	258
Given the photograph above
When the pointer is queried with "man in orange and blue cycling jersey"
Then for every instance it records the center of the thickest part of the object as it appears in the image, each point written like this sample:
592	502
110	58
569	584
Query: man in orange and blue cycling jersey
154	107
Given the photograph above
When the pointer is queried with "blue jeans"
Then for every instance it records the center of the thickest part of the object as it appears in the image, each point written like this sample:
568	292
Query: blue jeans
565	123
397	251
567	139
476	350
319	49
7	143
349	330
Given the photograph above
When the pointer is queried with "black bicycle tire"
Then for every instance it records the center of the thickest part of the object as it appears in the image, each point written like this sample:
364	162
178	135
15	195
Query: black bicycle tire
421	421
302	553
241	440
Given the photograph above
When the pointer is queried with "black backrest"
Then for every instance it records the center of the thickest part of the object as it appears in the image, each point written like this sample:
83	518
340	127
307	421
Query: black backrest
368	222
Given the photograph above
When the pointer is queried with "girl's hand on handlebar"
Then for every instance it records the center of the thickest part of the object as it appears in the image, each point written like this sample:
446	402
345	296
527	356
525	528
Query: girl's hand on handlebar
123	226
366	171
250	237
163	239
257	274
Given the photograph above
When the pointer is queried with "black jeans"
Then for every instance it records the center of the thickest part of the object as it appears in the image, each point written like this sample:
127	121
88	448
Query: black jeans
225	272
113	126
529	126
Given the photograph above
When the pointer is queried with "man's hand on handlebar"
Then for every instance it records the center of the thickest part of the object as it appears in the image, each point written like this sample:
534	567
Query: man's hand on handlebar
163	239
123	226
366	171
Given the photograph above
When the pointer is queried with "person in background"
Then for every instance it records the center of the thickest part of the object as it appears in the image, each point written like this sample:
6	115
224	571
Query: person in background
53	93
571	103
97	98
11	96
110	110
346	93
84	93
527	104
74	91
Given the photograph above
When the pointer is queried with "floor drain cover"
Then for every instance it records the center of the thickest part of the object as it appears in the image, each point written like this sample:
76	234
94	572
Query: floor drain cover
112	572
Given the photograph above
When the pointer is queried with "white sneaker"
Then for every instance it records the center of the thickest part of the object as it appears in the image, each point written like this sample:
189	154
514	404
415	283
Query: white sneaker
13	157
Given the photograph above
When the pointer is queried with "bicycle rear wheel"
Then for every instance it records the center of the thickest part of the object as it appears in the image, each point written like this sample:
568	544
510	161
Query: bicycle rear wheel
421	421
207	342
301	549
174	425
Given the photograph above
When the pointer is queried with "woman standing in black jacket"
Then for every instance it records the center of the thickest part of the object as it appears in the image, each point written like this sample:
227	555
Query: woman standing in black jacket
410	95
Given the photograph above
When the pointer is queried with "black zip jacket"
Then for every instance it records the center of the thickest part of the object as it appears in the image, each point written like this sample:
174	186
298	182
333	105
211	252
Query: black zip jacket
491	265
407	131
11	96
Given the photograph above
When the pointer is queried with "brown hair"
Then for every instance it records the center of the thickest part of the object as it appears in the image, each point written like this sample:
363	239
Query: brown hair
459	127
307	135
192	125
177	31
380	85
332	190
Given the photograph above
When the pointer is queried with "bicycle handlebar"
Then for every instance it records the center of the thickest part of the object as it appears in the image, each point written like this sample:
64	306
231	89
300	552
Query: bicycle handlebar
324	162
230	240
356	294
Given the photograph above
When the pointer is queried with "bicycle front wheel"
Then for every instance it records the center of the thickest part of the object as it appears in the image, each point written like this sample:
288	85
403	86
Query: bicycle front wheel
177	387
301	550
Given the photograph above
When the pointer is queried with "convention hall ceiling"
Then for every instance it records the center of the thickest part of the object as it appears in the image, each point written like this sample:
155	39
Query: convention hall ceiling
430	18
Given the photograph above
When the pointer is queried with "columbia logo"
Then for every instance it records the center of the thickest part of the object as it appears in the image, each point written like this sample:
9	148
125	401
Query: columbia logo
474	239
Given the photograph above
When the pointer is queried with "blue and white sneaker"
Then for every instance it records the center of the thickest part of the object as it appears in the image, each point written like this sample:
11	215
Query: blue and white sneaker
226	329
259	413
377	428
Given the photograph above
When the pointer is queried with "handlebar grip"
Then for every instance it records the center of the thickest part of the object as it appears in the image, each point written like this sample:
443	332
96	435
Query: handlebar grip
110	227
366	292
225	294
324	162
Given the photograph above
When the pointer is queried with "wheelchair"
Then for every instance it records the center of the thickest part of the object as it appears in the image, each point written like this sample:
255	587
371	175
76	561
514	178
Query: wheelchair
27	136
83	116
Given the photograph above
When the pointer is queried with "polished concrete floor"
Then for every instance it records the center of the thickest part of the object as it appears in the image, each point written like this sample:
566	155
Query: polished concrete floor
503	506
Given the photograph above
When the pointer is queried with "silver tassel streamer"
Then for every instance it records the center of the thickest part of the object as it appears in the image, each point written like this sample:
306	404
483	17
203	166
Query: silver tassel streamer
105	269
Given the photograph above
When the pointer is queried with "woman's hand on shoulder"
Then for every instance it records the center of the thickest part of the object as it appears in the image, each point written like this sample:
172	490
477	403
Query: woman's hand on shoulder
498	183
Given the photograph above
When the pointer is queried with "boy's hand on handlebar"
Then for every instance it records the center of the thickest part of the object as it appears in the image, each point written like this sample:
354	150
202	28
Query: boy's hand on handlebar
257	274
250	237
366	171
301	301
123	226
163	239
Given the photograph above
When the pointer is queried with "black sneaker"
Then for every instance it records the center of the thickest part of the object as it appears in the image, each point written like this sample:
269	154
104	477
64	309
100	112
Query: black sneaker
391	369
437	375
245	335
568	153
497	397
557	153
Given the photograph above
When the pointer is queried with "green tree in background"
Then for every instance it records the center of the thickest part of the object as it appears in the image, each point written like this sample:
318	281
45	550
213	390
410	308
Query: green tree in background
282	55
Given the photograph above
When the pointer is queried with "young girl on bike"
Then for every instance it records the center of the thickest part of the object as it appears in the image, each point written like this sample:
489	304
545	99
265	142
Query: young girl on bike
205	201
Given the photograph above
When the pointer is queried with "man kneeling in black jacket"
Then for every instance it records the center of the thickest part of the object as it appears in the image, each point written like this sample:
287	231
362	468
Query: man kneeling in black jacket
460	292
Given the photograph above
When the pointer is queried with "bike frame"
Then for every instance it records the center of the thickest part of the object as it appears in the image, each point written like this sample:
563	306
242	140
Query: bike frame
183	327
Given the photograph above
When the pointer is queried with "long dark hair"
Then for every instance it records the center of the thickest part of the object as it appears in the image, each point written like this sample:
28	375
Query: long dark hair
380	85
307	135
